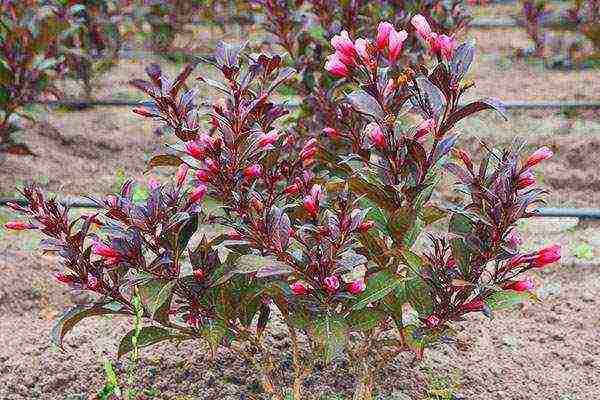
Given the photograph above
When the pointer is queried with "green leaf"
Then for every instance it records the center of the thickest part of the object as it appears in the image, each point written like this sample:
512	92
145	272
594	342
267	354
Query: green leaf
213	332
433	214
162	301
148	336
405	226
72	316
364	320
503	300
364	103
418	295
4	95
186	232
330	332
378	286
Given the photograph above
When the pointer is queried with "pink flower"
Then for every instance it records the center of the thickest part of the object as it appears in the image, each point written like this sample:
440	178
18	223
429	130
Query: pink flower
473	305
143	112
356	287
232	234
93	283
198	275
267	139
546	256
202	175
309	150
18	225
513	238
389	88
311	205
198	193
396	41
543	153
366	226
335	66
153	183
192	320
526	179
465	157
525	285
432	321
383	33
345	47
332	133
426	127
181	174
111	201
331	283
253	171
421	26
299	288
62	278
104	250
516	261
361	45
194	150
446	45
291	190
212	165
376	135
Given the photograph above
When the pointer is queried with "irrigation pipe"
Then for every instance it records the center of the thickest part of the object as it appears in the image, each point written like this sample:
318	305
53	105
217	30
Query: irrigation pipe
580	213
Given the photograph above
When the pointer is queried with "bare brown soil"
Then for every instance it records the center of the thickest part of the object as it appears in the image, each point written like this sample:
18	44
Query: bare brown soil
541	351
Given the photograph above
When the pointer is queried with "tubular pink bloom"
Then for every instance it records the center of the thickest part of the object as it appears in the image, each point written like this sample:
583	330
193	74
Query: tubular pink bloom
389	88
516	261
181	174
104	250
376	135
361	48
451	263
194	150
513	238
543	153
62	278
465	157
432	321
299	288
446	45
311	205
525	285
421	25
202	175
291	190
143	112
253	171
526	179
425	128
335	66
198	275
332	133
192	320
267	139
111	201
93	283
396	41
198	193
211	165
153	183
473	305
317	193
309	150
356	287
366	226
18	225
232	234
331	283
344	46
207	141
546	256
383	33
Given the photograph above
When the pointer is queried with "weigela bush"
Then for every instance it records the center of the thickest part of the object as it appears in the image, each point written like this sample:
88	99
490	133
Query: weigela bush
261	227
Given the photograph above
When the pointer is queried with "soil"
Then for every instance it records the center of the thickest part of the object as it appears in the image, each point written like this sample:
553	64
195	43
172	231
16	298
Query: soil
540	351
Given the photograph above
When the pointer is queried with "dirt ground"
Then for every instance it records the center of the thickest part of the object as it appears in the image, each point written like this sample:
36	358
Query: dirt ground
538	352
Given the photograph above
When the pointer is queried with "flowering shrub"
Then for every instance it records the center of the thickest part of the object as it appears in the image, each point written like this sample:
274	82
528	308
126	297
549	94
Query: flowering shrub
26	61
343	245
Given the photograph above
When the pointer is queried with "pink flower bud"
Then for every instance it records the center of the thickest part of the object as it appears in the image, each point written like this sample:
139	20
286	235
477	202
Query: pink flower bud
143	112
361	45
311	206
62	278
366	226
543	153
356	287
309	150
465	157
291	190
232	234
432	321
516	261
376	135
546	256
344	47
181	174
389	88
194	150
332	133
335	66
202	176
383	33
198	193
267	139
198	275
513	238
18	225
526	179
473	305
192	320
525	285
425	128
153	184
331	283
445	45
212	165
253	171
299	288
451	263
93	283
421	25
111	201
104	250
396	41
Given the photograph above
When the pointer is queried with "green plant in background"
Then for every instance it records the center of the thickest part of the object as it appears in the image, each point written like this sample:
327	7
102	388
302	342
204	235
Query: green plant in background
584	252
